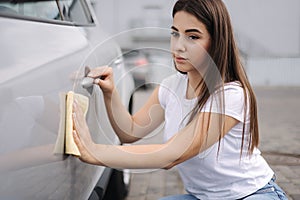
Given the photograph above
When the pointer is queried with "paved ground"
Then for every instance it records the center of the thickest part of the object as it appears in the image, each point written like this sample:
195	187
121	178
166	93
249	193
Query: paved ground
279	114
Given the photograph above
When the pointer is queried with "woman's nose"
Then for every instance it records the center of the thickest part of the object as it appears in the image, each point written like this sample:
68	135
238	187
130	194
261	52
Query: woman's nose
179	44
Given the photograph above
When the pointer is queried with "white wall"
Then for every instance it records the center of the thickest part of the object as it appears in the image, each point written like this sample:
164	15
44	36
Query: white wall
267	27
268	33
273	71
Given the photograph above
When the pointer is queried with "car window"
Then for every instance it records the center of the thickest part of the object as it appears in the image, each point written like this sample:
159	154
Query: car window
40	9
75	11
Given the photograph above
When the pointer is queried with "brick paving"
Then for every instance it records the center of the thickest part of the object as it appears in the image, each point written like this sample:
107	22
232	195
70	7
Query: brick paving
279	114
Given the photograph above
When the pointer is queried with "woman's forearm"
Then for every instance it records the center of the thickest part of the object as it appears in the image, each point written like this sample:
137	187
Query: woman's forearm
154	156
119	117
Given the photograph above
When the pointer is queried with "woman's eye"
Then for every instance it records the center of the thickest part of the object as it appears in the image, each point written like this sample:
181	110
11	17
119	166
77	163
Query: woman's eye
174	34
193	37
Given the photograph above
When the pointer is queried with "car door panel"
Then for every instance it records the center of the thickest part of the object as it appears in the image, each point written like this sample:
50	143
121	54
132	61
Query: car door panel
38	62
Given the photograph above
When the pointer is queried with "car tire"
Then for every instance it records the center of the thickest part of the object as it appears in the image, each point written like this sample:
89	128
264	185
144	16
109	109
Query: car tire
116	188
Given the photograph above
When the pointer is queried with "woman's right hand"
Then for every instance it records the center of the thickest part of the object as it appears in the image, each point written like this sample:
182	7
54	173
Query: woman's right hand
82	136
104	78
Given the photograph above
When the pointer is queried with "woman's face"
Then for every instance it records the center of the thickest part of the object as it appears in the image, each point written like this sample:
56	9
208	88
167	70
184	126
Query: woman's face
190	42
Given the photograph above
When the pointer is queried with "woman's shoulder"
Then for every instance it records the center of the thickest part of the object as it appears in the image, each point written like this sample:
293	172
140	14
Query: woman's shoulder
231	90
234	86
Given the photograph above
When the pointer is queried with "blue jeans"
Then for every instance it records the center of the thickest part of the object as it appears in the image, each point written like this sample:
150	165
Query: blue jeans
180	197
271	191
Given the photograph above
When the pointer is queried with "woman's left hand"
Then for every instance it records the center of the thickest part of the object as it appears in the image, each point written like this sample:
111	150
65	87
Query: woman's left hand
82	137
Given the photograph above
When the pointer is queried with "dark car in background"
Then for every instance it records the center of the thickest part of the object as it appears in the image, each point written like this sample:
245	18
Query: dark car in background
148	66
137	62
44	49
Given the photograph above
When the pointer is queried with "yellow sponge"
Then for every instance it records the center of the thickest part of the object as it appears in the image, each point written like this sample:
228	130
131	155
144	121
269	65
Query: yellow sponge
65	142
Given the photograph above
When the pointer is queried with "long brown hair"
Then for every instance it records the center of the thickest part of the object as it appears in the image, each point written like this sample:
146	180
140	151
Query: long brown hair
225	55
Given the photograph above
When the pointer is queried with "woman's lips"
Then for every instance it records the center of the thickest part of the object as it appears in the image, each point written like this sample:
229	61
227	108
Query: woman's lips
179	59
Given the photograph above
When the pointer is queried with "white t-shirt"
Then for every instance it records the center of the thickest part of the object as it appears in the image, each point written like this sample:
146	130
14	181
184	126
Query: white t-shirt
210	175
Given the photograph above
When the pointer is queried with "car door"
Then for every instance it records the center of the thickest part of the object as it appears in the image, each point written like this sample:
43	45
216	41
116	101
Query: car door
44	50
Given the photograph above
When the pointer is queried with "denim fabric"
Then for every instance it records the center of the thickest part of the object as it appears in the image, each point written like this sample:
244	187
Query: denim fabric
271	191
180	197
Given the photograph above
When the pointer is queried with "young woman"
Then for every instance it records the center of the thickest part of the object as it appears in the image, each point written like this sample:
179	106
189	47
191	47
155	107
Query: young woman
209	109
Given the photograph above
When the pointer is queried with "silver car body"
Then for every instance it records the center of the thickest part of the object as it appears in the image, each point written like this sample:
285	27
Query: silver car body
39	59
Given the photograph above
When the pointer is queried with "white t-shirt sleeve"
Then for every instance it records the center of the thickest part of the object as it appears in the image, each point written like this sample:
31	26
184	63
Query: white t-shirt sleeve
234	104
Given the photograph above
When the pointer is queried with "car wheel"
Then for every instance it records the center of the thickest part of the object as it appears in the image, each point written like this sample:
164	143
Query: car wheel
116	188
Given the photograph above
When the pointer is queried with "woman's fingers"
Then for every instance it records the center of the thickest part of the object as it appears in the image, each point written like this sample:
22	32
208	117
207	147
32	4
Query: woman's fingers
82	137
77	141
100	72
79	123
85	155
103	77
